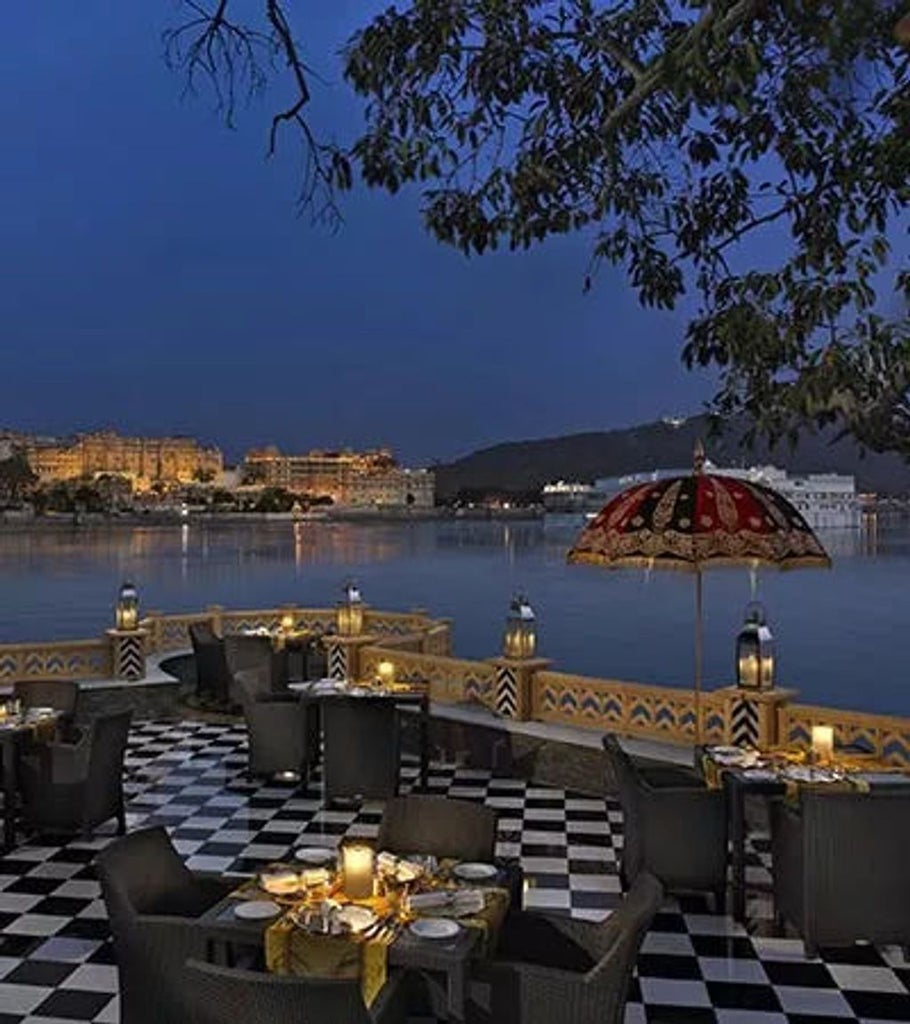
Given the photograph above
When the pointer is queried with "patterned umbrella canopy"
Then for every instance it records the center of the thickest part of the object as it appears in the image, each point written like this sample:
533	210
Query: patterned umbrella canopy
698	521
694	523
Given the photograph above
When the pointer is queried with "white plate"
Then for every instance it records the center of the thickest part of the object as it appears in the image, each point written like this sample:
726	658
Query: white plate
727	751
434	928
256	910
356	918
760	775
472	871
318	855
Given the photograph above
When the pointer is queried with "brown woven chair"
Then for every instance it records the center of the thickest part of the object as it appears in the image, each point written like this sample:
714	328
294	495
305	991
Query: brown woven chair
678	832
839	861
361	748
438	825
74	787
221	995
60	694
282	729
542	988
213	676
152	899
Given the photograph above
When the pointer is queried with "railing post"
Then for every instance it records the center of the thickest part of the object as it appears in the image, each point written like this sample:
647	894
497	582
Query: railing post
343	654
128	653
513	685
753	719
215	613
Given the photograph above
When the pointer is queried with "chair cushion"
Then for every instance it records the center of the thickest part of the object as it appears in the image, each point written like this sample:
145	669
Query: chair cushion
532	939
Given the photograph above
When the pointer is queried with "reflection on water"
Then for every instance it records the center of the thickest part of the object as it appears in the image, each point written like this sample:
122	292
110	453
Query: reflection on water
842	635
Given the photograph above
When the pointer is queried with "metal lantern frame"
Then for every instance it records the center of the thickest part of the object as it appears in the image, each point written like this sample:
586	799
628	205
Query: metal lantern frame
520	637
127	609
755	651
349	613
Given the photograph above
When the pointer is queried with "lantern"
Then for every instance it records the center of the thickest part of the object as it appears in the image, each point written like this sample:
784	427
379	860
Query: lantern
350	611
127	616
385	674
357	870
520	637
755	651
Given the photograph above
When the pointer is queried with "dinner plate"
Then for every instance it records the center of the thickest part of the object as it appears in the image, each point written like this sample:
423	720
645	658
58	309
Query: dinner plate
318	855
471	871
727	751
356	918
434	928
256	910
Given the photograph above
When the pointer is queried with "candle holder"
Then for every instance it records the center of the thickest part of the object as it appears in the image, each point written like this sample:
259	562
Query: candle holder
822	744
385	674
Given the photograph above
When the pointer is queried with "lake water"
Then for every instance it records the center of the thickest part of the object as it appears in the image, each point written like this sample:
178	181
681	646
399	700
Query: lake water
842	635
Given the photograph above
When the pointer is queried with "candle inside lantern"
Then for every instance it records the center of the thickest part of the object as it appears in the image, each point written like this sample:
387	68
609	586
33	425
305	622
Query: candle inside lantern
823	742
385	672
357	868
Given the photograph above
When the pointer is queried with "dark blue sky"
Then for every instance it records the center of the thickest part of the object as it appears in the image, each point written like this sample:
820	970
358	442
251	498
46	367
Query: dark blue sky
154	277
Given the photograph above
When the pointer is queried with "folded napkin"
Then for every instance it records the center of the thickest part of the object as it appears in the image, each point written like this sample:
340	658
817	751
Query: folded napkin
458	902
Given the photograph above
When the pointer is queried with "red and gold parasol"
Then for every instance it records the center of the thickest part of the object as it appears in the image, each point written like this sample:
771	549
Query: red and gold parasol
696	522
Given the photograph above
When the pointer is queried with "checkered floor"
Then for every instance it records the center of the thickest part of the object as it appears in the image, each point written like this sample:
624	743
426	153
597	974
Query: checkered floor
56	962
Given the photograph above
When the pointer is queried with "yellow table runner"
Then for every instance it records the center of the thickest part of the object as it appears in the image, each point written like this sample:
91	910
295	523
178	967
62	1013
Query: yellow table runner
290	949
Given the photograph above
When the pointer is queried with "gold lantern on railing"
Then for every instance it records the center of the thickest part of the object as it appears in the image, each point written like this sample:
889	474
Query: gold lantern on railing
520	637
350	611
127	612
755	651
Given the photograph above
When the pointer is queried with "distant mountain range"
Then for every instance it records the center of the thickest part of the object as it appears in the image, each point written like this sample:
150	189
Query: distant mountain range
521	466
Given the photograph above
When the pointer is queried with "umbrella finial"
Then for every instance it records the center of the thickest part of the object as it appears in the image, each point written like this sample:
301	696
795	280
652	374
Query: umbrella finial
698	458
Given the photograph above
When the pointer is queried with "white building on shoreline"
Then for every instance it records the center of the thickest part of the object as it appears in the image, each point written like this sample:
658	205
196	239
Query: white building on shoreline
825	500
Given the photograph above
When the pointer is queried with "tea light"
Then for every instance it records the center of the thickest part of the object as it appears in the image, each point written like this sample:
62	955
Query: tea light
357	868
287	622
280	882
823	742
385	672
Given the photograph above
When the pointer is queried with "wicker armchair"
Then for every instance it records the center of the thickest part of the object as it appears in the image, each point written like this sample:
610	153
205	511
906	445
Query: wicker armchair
361	748
677	832
60	694
151	899
438	825
244	653
524	992
221	995
282	730
840	866
74	787
213	676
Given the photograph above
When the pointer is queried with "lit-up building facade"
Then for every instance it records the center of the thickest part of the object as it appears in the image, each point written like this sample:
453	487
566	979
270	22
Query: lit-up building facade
371	478
143	460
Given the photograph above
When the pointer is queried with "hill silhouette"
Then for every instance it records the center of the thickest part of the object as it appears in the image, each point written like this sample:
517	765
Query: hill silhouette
527	465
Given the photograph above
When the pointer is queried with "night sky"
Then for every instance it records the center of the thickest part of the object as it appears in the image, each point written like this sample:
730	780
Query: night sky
154	277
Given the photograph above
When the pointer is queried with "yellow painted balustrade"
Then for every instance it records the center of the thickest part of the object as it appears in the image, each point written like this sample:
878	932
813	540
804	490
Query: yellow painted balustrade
65	659
659	712
451	680
885	736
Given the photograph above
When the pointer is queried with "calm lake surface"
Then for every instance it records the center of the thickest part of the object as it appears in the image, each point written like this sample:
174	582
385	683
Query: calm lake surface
842	635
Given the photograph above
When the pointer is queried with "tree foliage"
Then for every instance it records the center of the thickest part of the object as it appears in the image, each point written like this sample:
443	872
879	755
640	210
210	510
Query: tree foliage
673	134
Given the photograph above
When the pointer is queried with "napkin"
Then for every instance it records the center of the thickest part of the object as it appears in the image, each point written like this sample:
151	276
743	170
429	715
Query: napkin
458	902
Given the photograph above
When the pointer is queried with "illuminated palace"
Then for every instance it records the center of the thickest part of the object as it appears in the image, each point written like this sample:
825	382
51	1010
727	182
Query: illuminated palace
348	478
143	460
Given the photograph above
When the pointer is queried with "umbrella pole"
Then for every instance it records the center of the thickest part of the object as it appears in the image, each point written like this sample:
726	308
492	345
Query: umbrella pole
698	655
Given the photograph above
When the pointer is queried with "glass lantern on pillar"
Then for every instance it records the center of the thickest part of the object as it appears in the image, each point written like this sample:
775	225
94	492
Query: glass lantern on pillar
350	611
755	651
127	612
520	637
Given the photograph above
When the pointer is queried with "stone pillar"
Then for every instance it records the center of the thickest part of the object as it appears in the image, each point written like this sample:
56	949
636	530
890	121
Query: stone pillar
513	686
214	612
128	653
344	654
753	715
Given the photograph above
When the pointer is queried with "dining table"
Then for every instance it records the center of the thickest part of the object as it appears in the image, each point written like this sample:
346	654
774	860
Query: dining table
16	729
227	932
773	774
416	698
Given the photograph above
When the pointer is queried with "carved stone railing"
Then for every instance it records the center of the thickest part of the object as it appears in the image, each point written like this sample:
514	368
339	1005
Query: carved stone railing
420	648
65	659
885	736
452	680
659	712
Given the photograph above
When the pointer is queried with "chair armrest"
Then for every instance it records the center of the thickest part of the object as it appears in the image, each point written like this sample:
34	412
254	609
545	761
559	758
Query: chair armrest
59	763
671	777
214	887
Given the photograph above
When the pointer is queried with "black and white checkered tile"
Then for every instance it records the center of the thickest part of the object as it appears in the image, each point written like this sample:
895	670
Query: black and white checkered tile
56	962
